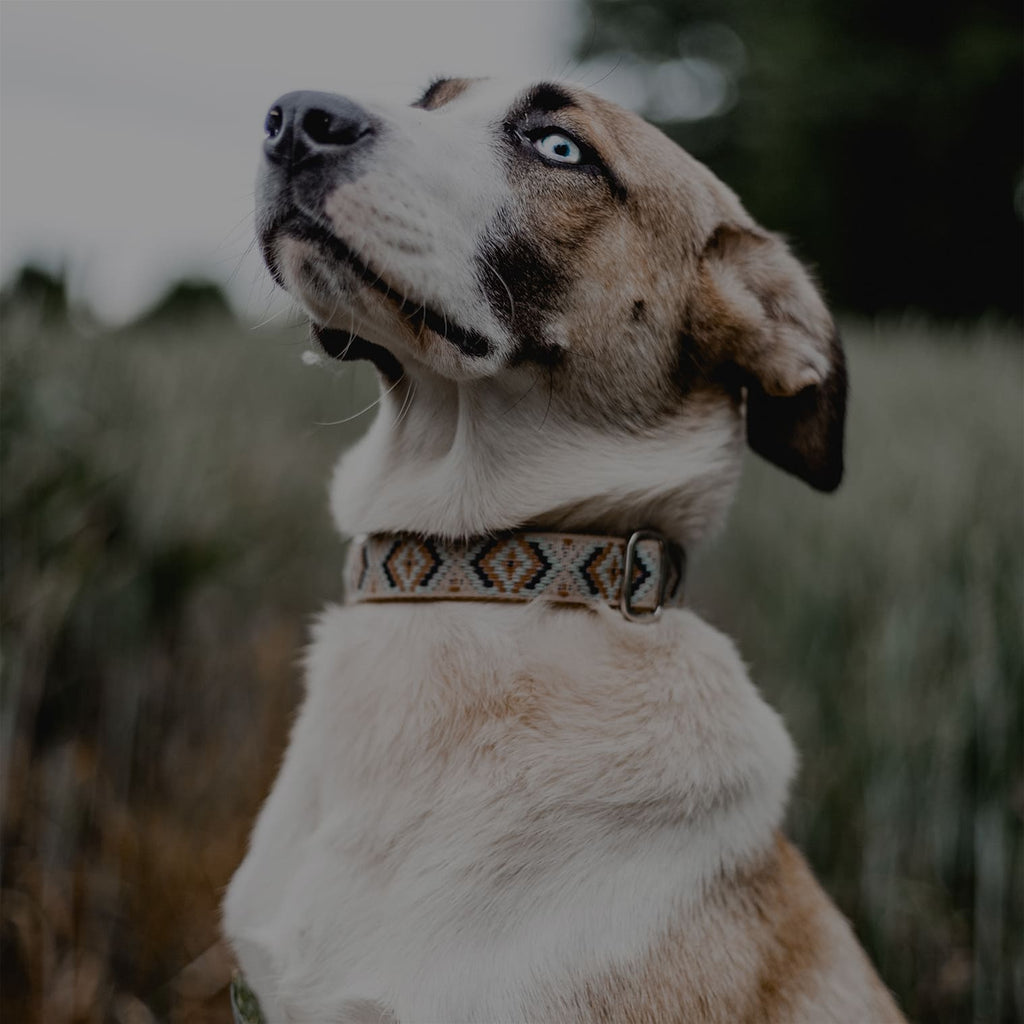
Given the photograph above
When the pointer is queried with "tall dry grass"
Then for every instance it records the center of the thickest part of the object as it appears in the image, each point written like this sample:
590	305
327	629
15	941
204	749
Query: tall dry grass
165	540
885	622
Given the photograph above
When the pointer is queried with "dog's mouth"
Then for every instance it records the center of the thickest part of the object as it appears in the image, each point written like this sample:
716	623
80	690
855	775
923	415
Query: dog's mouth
417	315
344	345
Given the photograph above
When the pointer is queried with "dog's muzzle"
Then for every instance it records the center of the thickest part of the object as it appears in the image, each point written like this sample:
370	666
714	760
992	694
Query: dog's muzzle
314	141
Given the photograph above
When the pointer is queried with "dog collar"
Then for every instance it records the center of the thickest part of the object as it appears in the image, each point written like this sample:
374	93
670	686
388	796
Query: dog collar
639	575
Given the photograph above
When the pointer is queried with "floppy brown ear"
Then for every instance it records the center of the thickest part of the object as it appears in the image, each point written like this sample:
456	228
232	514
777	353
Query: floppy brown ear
760	319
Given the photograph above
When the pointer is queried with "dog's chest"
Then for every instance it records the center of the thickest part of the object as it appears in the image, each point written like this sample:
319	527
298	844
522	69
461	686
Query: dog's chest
451	913
453	829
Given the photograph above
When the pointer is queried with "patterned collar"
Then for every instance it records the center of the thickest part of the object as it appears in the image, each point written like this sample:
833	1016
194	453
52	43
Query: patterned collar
566	568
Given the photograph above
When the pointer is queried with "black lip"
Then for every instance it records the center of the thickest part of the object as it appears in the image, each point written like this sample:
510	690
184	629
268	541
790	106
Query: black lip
346	346
297	224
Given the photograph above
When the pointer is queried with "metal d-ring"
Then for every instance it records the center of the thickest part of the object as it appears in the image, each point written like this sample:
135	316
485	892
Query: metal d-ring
629	563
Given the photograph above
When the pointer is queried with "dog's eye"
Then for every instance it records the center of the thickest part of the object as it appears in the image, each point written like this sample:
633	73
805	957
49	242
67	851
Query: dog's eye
559	148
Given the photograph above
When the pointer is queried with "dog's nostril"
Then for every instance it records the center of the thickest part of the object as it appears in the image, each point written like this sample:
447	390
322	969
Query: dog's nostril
326	130
274	122
317	125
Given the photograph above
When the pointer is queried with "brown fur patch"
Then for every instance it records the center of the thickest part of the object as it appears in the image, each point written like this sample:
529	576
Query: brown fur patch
597	238
477	725
443	91
646	218
757	949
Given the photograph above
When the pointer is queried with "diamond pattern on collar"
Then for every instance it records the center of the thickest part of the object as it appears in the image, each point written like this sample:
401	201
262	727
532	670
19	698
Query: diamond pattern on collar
411	564
565	568
511	565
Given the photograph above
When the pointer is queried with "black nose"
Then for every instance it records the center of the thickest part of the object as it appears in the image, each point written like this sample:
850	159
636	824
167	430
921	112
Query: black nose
309	124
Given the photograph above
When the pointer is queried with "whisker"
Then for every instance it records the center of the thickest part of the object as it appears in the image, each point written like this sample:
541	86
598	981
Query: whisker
268	319
356	415
534	383
608	74
551	389
585	51
406	403
505	285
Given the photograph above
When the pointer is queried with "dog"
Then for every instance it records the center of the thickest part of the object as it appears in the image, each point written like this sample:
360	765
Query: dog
507	801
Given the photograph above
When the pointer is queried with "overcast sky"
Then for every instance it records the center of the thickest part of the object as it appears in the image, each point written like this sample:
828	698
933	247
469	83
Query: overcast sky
130	130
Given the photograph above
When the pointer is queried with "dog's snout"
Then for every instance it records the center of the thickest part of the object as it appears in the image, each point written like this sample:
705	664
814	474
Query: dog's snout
304	124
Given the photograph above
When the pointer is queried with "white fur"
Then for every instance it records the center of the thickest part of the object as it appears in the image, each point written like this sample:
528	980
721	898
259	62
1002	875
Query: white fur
468	458
449	886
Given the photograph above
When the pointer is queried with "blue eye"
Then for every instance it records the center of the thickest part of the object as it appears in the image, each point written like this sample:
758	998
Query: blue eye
559	148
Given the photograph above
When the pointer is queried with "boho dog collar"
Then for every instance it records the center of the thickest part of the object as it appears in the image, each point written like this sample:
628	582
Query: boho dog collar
566	568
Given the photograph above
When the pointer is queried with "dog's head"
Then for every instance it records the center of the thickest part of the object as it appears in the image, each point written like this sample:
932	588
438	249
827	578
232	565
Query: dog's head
570	314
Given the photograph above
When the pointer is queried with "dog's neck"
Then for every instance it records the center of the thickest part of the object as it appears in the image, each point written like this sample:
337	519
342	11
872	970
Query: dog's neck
471	458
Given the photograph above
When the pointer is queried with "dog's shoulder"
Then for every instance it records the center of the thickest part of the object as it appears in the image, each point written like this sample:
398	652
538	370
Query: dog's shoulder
766	944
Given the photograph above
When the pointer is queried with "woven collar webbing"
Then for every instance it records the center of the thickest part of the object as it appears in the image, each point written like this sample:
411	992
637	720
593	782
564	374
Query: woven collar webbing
568	568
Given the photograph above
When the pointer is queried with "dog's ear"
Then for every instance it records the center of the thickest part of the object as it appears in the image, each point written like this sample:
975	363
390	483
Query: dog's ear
759	319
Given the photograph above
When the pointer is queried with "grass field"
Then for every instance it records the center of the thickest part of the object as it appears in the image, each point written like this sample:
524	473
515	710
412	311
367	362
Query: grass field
166	539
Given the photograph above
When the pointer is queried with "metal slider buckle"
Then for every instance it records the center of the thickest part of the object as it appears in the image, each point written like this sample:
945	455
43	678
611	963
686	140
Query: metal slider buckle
629	563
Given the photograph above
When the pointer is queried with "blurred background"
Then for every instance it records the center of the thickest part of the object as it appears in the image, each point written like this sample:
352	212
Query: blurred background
166	441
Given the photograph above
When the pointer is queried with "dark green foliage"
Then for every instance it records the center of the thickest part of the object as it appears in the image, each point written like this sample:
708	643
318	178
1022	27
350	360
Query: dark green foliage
187	303
37	292
885	139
